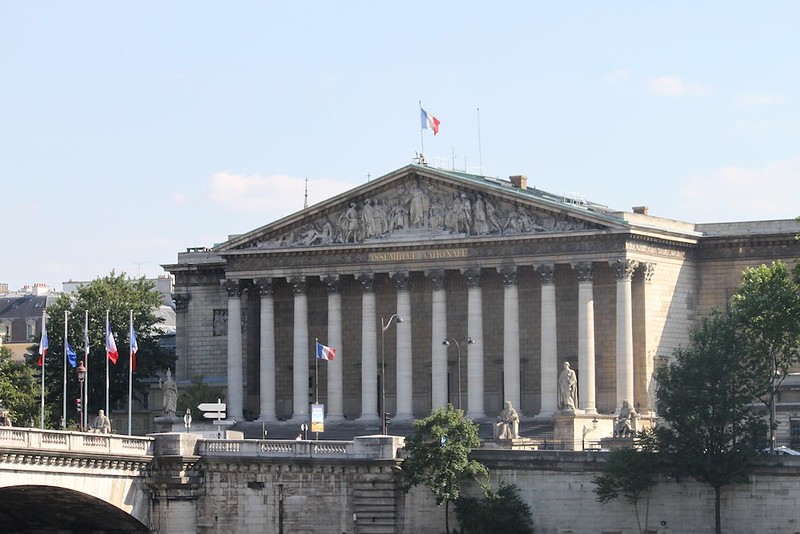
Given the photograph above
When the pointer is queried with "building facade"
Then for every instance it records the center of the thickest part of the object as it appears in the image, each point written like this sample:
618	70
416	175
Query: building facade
517	280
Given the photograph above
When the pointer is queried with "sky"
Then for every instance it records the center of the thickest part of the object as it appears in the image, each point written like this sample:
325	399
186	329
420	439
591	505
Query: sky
130	131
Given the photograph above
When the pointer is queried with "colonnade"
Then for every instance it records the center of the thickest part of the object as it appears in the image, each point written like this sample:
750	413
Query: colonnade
438	370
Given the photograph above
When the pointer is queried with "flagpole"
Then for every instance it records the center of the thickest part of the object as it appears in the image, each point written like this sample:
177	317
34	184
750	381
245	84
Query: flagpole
421	137
64	400
130	374
43	356
86	366
316	372
108	413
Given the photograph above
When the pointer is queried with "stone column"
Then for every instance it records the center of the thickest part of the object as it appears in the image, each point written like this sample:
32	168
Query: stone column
644	390
624	270
511	369
549	363
235	376
335	407
404	400
181	301
267	411
301	351
586	362
369	350
474	352
438	335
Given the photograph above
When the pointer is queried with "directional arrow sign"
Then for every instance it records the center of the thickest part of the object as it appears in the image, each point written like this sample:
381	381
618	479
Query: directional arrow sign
224	422
211	407
214	415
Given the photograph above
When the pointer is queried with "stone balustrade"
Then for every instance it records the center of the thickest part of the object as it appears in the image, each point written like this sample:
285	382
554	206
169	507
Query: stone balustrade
75	442
364	447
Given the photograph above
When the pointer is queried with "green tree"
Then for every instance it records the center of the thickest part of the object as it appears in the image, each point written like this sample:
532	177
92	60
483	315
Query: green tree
628	474
767	310
703	397
197	393
20	393
500	511
119	296
438	456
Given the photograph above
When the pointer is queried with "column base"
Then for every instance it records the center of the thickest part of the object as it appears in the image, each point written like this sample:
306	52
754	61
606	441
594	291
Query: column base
544	415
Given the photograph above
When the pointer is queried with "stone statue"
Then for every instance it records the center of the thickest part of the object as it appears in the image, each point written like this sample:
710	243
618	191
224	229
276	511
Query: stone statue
567	389
622	424
5	420
102	424
417	206
170	392
507	426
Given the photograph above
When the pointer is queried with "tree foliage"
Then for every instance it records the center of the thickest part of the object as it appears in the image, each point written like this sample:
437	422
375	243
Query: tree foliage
628	474
438	456
119	296
499	511
196	393
766	309
20	393
704	398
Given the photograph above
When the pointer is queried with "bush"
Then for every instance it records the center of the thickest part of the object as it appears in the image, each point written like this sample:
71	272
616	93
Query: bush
500	511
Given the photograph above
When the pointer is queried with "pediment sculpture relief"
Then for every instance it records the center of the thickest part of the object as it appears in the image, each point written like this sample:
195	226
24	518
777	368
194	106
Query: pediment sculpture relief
420	210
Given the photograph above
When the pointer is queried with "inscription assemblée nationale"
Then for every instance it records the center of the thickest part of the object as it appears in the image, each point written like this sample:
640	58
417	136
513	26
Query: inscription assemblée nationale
413	255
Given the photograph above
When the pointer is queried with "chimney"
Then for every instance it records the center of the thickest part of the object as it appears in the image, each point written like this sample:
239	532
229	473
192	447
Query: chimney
641	210
519	181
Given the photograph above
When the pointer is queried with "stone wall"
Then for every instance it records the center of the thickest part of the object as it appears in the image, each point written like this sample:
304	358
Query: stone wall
559	489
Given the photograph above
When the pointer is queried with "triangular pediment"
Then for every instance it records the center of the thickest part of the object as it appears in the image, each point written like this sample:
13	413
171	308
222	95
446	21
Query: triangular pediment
417	203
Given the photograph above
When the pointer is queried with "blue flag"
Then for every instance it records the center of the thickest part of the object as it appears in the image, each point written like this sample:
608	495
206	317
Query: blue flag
73	358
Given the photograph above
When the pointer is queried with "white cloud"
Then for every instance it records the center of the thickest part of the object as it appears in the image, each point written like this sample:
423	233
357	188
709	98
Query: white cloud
742	193
675	87
763	99
271	195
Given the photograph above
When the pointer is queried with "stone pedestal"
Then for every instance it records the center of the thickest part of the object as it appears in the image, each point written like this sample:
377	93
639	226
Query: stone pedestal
169	424
577	431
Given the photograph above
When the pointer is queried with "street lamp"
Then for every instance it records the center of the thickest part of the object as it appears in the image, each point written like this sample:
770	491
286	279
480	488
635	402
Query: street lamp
446	343
81	377
586	431
385	326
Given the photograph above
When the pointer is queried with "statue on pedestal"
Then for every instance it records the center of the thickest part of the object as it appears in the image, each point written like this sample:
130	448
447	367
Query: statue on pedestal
507	426
567	389
170	392
622	424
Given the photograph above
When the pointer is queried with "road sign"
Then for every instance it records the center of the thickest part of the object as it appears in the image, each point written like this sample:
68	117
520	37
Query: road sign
211	407
214	415
224	422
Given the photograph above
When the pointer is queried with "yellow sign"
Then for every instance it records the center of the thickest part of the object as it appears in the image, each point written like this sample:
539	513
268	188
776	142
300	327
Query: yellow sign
317	418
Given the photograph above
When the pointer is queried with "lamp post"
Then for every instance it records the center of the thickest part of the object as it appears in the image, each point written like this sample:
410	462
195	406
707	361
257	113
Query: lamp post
446	343
586	431
81	377
385	326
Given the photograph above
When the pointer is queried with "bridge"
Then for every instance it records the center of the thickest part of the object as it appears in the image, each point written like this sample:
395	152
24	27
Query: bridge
60	482
67	481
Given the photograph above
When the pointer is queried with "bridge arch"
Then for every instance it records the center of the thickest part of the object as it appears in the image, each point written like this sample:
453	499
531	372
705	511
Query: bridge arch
48	509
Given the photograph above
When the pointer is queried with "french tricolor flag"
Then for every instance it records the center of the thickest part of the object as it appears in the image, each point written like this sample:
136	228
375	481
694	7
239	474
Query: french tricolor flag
325	353
429	122
43	344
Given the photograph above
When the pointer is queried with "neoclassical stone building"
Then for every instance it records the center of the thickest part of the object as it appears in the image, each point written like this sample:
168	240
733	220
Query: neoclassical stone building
517	279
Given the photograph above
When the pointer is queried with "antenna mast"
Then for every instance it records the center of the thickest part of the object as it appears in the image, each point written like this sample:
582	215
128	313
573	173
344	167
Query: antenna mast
305	202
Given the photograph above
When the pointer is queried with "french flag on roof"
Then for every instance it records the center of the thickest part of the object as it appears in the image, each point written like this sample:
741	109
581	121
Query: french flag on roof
429	122
325	353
